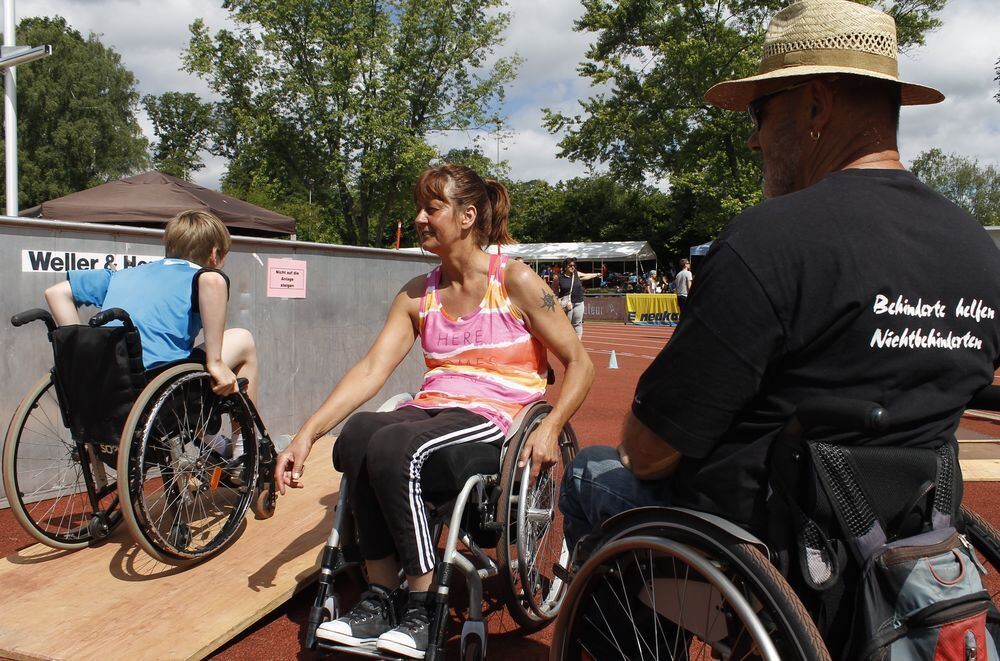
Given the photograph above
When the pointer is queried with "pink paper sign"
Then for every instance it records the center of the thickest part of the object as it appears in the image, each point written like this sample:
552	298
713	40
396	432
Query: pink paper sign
286	278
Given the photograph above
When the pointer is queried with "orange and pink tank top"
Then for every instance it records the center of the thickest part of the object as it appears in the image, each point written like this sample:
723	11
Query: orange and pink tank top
486	362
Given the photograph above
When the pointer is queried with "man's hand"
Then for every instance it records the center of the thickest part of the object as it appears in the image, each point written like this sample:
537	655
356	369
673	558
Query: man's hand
542	447
291	463
643	452
223	379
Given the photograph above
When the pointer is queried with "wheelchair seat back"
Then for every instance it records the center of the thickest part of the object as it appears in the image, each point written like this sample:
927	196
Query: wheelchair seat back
98	374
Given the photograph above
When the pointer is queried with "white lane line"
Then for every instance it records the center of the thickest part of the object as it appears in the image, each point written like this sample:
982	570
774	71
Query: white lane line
625	343
621	353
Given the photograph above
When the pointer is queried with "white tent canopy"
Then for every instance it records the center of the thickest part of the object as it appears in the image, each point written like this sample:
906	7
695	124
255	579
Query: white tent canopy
697	251
538	254
610	251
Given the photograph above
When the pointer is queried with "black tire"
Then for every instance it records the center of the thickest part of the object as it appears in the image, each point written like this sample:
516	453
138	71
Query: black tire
43	479
746	603
181	501
532	591
985	539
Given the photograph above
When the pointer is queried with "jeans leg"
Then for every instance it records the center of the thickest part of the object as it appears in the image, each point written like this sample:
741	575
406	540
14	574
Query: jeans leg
597	486
576	318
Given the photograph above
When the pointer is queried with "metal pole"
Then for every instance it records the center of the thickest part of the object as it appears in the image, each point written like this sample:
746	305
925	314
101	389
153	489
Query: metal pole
10	112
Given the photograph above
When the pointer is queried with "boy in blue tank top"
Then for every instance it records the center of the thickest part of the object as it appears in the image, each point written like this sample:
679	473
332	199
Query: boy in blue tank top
171	300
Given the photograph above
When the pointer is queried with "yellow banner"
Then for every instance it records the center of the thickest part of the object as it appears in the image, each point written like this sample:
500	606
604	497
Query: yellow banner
652	309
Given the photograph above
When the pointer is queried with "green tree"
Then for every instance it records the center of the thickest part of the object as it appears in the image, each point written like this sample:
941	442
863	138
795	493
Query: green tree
656	59
963	181
333	101
77	124
484	166
183	125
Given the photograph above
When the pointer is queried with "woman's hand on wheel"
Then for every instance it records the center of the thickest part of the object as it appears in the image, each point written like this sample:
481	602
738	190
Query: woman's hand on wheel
290	463
542	448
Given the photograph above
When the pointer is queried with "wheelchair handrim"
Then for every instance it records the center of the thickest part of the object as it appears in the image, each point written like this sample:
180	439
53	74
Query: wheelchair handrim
580	588
142	525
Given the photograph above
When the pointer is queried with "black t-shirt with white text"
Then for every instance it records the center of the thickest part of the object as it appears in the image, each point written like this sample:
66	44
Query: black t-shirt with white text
867	285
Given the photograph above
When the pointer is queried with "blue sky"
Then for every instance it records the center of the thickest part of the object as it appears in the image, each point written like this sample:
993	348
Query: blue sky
958	59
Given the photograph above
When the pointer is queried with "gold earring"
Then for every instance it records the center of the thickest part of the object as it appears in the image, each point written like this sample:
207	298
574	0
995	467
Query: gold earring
814	135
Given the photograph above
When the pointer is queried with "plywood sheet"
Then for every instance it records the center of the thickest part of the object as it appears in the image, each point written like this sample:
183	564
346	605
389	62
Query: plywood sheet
115	602
981	470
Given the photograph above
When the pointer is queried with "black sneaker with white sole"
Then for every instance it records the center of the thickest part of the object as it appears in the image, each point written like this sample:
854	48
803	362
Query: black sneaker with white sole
376	613
410	638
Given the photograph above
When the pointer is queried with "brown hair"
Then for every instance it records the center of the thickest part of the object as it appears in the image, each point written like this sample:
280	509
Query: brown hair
568	261
461	187
191	235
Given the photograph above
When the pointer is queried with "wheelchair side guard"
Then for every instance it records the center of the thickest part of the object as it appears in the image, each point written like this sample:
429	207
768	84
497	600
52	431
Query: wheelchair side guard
708	526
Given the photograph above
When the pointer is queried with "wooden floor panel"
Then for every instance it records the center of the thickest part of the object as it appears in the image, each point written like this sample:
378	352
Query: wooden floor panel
115	602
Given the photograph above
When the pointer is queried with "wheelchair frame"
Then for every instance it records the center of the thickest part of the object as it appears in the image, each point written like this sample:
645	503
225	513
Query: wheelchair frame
474	493
85	454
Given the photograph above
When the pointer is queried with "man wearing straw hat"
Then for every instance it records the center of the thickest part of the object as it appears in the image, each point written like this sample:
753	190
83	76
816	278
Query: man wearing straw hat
832	286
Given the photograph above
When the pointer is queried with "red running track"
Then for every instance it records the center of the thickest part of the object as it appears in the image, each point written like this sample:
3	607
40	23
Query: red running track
280	635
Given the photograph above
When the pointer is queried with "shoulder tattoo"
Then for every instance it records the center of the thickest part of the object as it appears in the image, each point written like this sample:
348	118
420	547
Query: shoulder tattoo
548	300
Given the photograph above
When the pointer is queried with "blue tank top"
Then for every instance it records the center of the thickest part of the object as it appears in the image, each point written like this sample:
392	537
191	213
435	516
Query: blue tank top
158	296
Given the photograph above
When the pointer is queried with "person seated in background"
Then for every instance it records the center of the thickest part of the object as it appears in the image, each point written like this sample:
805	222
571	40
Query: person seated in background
485	325
170	301
814	292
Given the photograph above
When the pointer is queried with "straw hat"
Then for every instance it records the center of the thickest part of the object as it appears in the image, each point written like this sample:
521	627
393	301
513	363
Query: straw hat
815	37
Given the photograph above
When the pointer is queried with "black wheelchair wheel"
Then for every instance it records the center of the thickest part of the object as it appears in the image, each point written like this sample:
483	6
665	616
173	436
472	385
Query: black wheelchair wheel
657	593
985	539
43	476
531	541
183	497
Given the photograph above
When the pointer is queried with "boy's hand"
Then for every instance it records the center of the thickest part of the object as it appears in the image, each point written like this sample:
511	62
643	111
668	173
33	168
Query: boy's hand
223	379
290	464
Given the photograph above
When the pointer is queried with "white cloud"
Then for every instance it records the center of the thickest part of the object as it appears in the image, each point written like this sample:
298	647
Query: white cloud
959	59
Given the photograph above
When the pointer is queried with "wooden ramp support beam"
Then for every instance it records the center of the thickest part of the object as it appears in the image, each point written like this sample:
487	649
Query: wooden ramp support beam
115	602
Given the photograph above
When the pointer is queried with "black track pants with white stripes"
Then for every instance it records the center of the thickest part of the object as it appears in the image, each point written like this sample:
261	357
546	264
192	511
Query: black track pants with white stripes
381	455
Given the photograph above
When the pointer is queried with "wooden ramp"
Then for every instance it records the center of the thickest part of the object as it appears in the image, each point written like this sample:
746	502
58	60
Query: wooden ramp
115	602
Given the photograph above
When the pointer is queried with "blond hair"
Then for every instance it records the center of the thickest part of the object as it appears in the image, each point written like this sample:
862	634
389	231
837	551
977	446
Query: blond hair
192	235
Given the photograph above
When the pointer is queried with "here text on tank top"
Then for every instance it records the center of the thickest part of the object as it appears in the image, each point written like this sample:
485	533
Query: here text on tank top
486	362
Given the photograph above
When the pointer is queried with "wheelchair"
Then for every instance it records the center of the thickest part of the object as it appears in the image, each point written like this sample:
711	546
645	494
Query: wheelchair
100	440
484	500
673	583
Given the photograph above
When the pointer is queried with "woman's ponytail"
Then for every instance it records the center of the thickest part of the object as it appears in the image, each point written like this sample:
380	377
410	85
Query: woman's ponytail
499	233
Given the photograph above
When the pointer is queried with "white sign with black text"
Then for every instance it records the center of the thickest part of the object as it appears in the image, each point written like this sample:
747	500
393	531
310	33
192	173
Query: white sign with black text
51	261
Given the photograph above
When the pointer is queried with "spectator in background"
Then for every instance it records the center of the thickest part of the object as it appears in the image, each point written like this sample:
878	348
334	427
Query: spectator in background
571	293
683	282
653	283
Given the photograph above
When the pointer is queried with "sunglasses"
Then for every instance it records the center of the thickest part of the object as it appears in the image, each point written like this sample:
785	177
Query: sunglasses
755	106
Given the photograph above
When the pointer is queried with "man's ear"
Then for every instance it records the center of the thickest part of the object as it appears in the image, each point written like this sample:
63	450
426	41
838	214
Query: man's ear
821	107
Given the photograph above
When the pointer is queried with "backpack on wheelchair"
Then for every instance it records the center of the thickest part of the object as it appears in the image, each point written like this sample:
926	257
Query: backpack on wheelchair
100	440
671	583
